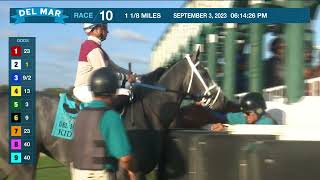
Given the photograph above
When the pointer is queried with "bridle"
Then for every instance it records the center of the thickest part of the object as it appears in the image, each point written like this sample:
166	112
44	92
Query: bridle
207	99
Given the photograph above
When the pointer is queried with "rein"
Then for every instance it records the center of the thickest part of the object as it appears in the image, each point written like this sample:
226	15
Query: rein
206	97
164	89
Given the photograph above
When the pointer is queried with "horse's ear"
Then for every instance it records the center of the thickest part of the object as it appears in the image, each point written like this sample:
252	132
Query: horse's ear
195	56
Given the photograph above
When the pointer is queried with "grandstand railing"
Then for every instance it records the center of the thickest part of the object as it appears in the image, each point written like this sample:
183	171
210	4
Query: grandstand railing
311	88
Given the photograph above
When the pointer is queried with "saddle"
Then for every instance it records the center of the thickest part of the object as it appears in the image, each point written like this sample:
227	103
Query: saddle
120	104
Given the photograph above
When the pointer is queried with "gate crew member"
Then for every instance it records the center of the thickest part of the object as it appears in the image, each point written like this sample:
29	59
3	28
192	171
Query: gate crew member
253	108
100	139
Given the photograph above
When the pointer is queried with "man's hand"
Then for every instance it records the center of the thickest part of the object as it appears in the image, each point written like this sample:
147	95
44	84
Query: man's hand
218	127
132	78
131	175
125	162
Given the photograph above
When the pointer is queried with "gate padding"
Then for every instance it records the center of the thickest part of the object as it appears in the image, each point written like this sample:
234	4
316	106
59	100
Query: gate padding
203	155
279	160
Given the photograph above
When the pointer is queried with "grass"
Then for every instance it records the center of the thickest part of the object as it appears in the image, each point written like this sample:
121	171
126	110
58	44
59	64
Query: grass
49	169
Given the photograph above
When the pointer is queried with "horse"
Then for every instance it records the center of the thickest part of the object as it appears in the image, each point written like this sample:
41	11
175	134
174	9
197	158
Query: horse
151	110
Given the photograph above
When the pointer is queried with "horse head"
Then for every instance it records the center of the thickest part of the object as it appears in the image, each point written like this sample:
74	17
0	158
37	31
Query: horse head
192	79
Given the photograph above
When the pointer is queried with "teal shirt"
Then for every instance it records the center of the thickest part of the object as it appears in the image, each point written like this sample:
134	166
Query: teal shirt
113	132
239	118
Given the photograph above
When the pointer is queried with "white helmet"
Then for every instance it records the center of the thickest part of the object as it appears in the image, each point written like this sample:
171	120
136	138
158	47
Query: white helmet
87	27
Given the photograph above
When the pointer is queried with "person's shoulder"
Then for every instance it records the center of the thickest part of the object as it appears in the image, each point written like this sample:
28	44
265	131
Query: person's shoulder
234	114
89	43
265	120
236	118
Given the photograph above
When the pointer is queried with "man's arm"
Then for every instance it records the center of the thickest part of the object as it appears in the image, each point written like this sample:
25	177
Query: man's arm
97	60
115	135
117	68
124	75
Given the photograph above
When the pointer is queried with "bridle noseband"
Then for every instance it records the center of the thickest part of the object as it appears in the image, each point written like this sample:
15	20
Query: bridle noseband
207	99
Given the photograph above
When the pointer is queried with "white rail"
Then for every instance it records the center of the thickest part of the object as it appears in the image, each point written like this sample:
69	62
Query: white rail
312	88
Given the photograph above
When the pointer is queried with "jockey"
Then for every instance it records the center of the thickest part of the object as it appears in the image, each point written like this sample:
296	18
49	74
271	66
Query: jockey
100	139
93	57
253	108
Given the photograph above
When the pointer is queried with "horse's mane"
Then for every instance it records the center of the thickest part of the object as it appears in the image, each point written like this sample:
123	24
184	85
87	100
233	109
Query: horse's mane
169	64
153	78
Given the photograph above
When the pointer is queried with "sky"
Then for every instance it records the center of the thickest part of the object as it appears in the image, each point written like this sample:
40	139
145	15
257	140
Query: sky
58	44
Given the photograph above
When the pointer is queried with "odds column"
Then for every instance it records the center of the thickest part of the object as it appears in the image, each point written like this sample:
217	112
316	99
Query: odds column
22	100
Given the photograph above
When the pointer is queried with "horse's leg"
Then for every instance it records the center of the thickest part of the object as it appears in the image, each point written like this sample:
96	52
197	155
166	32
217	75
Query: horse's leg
3	175
24	171
17	172
4	169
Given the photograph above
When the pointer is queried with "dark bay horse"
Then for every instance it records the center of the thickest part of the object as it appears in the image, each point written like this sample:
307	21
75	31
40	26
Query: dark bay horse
151	110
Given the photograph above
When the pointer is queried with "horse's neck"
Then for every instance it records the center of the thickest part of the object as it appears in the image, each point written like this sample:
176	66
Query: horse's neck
159	108
174	77
172	80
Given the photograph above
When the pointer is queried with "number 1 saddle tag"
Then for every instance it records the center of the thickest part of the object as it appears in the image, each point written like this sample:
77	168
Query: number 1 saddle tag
64	121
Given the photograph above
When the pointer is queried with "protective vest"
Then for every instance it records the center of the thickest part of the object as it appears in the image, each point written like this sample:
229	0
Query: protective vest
88	146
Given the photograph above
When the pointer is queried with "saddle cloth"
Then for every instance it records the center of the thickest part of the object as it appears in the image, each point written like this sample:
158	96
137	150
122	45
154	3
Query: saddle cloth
64	120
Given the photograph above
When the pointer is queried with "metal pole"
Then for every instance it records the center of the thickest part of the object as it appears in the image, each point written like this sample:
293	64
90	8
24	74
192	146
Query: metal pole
212	40
230	61
190	45
255	57
204	55
294	57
